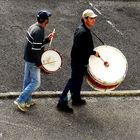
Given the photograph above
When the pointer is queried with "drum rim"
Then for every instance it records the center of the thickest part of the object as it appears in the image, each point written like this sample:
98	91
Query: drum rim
48	49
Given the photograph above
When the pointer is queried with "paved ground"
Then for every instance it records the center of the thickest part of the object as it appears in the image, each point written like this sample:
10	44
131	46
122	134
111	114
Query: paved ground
117	24
105	118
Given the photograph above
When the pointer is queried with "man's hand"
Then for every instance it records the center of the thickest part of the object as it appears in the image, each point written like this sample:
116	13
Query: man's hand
97	54
51	35
39	66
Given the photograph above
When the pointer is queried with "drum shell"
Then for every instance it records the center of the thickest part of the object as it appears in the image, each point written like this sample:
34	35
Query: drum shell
98	85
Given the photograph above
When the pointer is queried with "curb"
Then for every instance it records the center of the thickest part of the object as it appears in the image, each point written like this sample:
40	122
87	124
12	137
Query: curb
52	94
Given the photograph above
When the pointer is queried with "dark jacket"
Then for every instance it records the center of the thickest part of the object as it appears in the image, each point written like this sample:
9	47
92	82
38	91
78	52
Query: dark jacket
82	46
34	44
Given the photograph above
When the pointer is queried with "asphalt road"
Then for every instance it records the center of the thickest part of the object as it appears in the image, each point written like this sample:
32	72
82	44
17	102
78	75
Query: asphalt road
105	118
117	25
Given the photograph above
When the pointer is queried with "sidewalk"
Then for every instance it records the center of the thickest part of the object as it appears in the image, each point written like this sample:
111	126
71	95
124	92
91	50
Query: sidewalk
40	94
103	118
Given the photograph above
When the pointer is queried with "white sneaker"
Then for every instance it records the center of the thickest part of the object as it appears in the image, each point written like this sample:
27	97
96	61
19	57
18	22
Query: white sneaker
30	103
21	106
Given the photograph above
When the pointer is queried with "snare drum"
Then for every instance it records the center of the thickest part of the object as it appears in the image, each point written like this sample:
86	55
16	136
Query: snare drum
51	61
101	77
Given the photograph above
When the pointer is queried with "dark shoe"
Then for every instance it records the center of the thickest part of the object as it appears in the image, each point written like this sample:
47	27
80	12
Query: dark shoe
64	108
79	102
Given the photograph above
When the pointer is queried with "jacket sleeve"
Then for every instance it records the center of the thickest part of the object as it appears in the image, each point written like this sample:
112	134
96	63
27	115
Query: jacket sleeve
93	52
37	47
46	40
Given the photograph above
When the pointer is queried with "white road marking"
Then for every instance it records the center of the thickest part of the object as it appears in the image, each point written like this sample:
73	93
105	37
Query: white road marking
113	26
108	21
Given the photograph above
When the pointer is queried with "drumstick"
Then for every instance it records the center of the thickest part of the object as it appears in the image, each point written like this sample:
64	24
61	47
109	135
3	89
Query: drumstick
105	62
49	62
51	38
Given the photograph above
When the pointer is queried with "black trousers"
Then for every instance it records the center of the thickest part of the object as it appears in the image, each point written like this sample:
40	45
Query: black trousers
74	83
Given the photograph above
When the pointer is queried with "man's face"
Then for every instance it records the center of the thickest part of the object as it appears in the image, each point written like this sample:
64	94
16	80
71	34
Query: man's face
90	22
44	24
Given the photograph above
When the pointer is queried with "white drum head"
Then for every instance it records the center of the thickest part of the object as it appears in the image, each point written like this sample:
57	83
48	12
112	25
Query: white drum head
51	60
117	69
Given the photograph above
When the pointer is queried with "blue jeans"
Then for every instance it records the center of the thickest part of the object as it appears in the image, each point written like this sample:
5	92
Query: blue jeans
31	82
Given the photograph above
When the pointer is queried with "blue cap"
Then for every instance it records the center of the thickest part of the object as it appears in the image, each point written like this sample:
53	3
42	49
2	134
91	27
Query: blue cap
43	15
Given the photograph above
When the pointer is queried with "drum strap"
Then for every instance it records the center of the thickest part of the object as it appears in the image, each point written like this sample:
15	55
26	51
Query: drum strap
97	37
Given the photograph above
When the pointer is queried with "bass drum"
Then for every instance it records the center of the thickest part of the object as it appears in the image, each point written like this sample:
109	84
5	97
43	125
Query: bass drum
51	61
104	78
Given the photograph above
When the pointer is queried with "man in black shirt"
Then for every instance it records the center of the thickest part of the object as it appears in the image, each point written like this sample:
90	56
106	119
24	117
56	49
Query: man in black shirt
81	50
32	56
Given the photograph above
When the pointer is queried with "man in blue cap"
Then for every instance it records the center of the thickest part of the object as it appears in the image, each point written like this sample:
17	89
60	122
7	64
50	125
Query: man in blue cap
34	49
